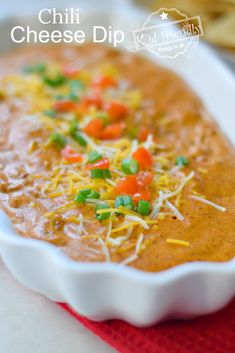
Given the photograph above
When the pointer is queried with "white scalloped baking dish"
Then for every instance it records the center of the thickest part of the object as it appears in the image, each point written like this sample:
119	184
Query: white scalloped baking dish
108	291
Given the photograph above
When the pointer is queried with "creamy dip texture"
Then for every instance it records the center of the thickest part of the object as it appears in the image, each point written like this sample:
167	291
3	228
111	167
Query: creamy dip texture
112	158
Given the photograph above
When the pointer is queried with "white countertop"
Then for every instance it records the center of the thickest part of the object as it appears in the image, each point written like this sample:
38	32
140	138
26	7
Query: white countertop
30	323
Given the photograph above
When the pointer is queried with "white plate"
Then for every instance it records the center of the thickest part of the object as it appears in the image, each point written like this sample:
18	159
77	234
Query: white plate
109	291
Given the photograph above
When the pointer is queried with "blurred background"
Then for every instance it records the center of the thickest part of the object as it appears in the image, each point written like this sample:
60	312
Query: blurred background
218	20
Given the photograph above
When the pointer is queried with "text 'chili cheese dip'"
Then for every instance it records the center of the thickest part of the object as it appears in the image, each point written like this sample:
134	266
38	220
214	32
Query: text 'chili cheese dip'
112	158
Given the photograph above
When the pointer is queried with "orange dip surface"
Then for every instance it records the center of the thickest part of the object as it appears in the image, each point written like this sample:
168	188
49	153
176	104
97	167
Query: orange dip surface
112	158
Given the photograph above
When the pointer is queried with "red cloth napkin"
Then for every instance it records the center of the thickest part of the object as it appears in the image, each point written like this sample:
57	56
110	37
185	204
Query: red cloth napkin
213	333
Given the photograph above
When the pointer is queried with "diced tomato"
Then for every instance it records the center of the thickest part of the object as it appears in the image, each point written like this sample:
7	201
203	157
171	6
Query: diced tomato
144	178
94	128
64	106
142	195
113	131
87	102
70	72
127	185
144	157
94	100
104	82
116	110
100	164
143	133
70	155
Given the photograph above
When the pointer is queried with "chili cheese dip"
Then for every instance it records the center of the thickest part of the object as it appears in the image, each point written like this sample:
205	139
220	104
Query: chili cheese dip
112	158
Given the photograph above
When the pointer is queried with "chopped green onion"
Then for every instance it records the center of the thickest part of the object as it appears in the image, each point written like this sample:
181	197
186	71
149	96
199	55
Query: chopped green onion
181	161
118	202
143	207
125	201
37	69
73	127
80	198
50	112
94	156
133	132
102	216
77	136
58	140
76	85
73	97
94	195
85	194
55	81
59	97
130	166
100	173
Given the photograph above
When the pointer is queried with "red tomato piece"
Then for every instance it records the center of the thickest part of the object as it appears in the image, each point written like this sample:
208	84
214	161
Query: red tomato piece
100	164
64	106
113	131
144	157
143	133
104	82
142	195
116	110
94	100
144	178
94	128
70	155
127	185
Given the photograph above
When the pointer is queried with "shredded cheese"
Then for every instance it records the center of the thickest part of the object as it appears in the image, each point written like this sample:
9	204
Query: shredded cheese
138	220
81	228
175	211
177	242
139	244
105	249
149	141
130	259
210	203
180	188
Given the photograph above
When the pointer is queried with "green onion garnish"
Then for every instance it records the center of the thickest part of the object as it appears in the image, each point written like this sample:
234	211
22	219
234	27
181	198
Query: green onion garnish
72	96
125	201
133	132
100	174
73	127
80	198
94	156
181	161
39	68
76	85
130	166
102	216
93	195
55	81
85	194
143	207
77	136
58	140
50	112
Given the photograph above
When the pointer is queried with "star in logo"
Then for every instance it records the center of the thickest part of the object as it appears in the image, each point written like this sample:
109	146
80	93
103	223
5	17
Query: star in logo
164	16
